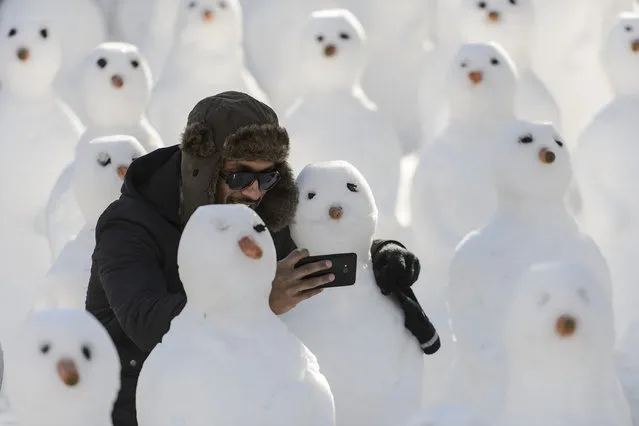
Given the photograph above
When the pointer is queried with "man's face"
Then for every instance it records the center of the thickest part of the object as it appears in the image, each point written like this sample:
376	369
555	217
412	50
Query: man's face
251	195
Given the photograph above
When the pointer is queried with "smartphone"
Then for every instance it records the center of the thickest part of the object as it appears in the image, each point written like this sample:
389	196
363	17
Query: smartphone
344	268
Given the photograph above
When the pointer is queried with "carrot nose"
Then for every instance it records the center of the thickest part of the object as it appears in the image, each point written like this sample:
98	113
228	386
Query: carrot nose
68	372
635	45
476	77
122	171
23	54
494	16
330	50
546	156
207	15
117	81
336	212
250	248
566	325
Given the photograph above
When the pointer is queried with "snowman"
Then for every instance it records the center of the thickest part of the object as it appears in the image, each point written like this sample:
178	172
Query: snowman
605	168
452	190
511	24
558	333
97	176
398	36
334	120
373	383
278	23
531	171
118	75
207	58
37	138
218	375
80	26
61	368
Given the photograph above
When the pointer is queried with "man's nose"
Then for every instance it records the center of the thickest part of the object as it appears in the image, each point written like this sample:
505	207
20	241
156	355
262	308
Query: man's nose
253	191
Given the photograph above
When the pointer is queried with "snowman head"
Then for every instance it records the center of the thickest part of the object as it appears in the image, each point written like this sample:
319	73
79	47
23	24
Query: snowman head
98	172
620	54
508	22
115	84
61	368
226	257
530	162
481	80
332	50
31	55
214	25
336	212
559	313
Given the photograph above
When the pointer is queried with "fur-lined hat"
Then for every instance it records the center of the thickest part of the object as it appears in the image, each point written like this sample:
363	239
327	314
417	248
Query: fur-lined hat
235	126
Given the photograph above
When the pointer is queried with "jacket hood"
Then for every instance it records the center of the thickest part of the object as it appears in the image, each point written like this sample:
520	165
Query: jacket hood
235	126
155	179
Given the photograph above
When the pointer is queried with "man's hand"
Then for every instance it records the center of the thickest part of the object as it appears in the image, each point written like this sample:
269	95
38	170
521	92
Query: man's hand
289	287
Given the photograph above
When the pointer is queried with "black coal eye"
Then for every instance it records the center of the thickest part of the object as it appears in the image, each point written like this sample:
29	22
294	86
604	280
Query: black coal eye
44	33
45	348
222	5
311	195
260	227
558	142
320	38
628	28
12	32
526	139
513	2
482	5
102	62
192	5
86	351
464	64
135	63
104	159
352	187
344	36
494	61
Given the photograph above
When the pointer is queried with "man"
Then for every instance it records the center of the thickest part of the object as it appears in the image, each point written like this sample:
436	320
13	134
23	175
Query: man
233	151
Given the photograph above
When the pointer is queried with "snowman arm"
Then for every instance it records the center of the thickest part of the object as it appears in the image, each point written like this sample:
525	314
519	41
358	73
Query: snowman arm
130	271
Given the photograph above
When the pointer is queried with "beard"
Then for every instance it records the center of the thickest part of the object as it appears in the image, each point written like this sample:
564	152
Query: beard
248	202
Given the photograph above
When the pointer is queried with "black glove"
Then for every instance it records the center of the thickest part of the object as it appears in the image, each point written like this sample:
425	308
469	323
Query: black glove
394	266
396	269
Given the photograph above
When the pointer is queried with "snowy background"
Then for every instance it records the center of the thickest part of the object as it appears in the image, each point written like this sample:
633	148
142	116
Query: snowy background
498	137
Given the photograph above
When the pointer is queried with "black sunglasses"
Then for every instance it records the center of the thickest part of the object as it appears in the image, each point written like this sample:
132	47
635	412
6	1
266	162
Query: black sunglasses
240	180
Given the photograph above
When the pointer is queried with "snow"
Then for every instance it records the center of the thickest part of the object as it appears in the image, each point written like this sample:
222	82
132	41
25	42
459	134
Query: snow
420	153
